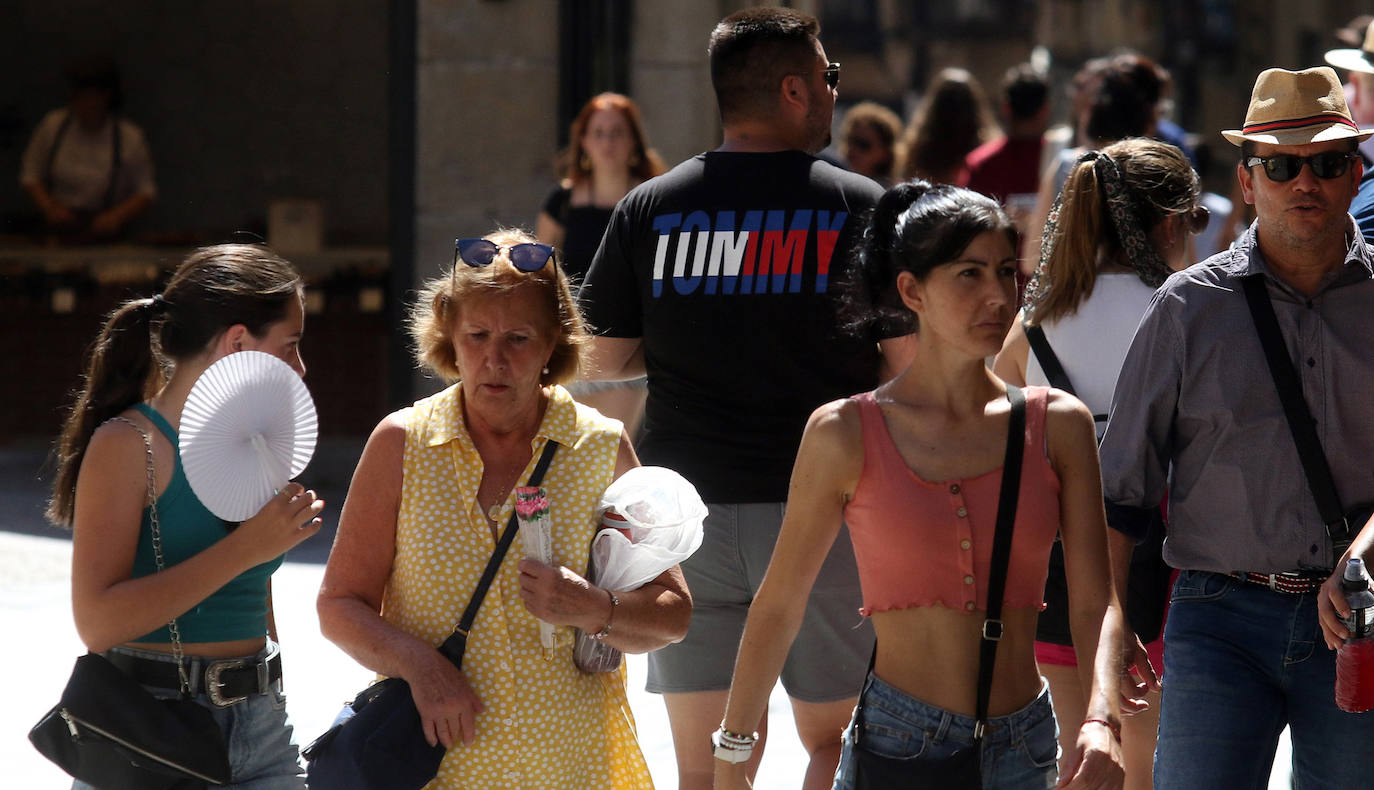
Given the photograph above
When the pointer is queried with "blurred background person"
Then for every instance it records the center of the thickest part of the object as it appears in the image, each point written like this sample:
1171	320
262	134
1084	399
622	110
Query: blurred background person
1115	98
1359	93
868	141
1008	169
608	154
1101	268
87	168
952	119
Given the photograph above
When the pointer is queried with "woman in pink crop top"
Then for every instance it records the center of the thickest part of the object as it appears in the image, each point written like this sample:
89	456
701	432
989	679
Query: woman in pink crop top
914	469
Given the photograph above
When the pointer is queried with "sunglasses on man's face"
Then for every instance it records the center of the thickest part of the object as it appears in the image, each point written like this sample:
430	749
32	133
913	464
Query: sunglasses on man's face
832	75
1285	167
527	257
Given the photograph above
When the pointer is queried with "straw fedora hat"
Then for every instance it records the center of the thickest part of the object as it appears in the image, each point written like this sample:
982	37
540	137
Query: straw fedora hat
1361	59
1296	108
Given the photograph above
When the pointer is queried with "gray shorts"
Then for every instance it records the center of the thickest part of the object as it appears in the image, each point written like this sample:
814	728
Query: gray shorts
829	658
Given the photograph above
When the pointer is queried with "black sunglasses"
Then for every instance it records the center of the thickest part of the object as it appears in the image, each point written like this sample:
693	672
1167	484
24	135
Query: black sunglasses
832	75
1198	219
527	257
1285	167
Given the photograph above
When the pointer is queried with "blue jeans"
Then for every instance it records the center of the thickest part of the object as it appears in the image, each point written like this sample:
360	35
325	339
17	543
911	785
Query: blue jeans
1240	662
263	754
1020	750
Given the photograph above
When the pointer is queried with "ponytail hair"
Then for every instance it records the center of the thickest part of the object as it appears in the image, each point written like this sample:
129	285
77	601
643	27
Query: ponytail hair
1110	203
212	290
915	227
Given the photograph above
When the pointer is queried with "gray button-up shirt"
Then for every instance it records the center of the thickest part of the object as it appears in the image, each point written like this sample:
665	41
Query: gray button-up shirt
1196	409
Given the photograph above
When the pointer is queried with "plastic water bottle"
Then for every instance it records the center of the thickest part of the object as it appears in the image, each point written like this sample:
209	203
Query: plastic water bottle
1355	658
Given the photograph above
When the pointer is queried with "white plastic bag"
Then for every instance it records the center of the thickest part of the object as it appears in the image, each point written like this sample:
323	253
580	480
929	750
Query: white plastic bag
664	514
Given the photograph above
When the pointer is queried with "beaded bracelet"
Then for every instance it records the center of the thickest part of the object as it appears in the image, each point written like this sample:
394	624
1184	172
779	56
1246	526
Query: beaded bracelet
1115	728
727	736
606	629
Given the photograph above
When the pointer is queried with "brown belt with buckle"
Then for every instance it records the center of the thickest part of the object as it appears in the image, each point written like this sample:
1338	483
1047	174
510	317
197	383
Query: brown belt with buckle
224	681
1289	582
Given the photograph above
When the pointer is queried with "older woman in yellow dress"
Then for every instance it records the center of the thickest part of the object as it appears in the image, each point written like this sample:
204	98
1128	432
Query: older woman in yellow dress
434	487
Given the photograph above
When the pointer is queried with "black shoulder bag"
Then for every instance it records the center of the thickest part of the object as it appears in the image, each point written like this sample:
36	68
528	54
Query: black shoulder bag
1340	525
1147	584
110	732
382	745
963	769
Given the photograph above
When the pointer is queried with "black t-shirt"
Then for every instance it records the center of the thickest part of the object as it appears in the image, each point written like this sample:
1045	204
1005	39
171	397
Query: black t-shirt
582	229
728	268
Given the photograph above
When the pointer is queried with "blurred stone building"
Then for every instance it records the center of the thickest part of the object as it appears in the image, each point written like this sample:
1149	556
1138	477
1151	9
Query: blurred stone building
404	124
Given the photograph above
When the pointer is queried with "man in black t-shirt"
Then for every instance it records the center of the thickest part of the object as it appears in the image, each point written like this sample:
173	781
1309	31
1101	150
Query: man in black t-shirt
720	279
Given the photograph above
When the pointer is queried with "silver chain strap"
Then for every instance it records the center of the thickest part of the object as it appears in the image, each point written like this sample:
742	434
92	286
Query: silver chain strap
177	652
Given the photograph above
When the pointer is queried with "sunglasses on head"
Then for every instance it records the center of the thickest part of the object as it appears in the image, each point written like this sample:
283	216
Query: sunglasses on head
527	257
1285	167
1198	219
832	75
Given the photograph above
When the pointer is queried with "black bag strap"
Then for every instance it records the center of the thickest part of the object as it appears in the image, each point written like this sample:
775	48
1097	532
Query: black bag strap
1001	556
1049	361
1300	423
453	646
1001	551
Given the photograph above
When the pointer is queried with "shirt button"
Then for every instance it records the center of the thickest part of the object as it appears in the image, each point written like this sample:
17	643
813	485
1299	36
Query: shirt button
968	580
965	545
954	489
961	512
969	606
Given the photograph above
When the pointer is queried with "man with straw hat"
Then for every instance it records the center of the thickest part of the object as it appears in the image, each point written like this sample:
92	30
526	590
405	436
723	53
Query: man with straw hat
1359	92
1250	635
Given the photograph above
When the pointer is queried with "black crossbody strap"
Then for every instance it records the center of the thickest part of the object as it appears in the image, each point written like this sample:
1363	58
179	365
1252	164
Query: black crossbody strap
1295	409
453	645
1001	550
1049	361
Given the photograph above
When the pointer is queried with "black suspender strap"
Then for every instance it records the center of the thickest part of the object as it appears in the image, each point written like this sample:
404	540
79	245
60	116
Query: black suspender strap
1300	422
457	641
116	146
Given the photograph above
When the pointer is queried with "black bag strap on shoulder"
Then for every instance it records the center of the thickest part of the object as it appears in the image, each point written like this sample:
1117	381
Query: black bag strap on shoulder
1001	556
457	641
1300	422
1049	361
1001	551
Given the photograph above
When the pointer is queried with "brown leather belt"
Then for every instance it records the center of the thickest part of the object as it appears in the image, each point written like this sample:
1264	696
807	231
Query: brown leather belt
1289	582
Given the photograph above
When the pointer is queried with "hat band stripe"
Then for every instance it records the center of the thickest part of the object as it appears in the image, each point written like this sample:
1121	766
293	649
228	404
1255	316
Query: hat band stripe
1298	123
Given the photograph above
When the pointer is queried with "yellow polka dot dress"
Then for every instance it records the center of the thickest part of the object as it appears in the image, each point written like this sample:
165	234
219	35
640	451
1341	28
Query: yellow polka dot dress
547	724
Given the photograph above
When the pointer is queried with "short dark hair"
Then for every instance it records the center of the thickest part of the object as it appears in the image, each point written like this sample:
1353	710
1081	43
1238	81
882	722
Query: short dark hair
1025	90
752	50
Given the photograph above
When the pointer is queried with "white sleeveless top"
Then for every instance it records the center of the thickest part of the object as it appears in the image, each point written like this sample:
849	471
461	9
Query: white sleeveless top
1091	343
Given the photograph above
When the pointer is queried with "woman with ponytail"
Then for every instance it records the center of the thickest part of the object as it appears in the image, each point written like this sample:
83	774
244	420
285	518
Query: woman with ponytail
914	469
1122	226
216	579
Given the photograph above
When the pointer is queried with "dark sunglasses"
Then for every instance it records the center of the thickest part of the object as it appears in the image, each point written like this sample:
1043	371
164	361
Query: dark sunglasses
1285	167
832	75
1198	219
527	257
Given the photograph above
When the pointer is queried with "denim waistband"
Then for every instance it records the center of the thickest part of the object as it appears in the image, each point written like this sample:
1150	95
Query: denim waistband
942	724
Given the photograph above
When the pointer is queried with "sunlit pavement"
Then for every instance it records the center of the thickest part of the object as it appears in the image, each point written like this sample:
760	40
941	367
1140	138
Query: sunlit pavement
35	599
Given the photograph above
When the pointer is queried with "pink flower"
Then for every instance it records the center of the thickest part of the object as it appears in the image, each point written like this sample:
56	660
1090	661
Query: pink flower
531	501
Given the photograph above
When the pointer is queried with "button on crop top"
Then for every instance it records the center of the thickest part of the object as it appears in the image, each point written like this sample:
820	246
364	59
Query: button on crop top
919	543
238	610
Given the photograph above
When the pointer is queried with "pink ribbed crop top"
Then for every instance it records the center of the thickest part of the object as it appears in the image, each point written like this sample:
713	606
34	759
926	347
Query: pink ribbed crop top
919	543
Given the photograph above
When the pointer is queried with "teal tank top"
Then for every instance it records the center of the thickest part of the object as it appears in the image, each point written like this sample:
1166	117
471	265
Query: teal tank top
238	610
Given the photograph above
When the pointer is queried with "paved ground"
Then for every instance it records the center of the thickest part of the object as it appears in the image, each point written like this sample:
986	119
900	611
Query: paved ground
35	601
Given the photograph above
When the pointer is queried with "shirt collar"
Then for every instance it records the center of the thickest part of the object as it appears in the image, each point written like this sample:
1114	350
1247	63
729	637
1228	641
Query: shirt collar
1246	258
446	425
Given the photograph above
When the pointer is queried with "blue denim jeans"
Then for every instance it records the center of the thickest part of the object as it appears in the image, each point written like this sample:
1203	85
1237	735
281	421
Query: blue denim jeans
1240	662
263	753
1020	750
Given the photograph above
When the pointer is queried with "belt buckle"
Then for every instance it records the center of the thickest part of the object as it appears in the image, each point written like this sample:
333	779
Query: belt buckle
1273	579
213	684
